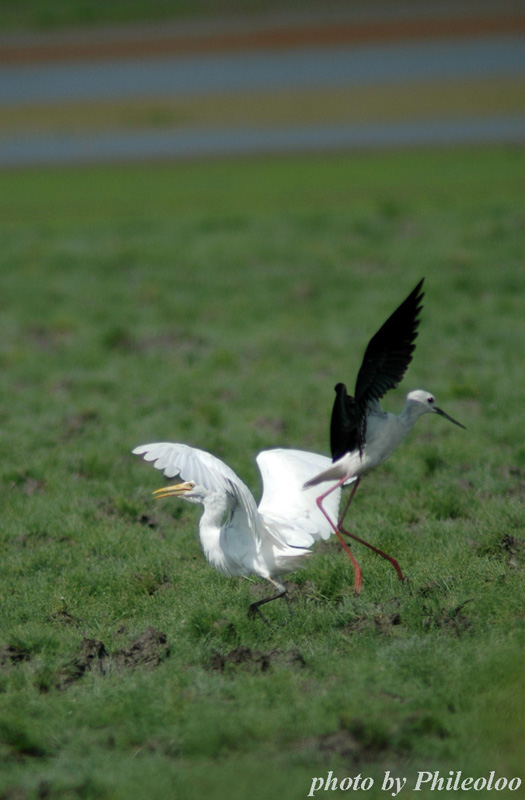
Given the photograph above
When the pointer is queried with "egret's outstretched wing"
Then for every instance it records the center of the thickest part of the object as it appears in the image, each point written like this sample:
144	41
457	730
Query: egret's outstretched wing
289	510
204	469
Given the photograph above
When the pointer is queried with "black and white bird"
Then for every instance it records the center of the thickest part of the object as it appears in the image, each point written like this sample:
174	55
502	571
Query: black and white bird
238	537
362	435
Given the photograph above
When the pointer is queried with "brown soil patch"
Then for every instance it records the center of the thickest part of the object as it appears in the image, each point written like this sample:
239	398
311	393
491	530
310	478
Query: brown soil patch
255	661
13	654
148	649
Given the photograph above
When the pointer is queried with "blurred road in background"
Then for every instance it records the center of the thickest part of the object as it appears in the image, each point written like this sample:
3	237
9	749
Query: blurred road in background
376	76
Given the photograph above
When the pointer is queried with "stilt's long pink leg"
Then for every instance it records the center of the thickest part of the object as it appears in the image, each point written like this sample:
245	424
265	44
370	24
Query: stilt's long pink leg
358	576
362	541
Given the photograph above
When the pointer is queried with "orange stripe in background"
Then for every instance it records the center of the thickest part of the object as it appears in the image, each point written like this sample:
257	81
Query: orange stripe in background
80	46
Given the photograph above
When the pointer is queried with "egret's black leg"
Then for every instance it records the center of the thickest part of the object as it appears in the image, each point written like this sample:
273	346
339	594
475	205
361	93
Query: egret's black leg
254	609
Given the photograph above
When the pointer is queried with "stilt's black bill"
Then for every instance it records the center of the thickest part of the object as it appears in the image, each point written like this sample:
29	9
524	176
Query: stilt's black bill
442	414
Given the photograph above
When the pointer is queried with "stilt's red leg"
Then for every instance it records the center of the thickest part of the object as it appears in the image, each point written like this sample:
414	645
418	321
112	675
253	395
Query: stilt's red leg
376	550
362	541
358	576
350	498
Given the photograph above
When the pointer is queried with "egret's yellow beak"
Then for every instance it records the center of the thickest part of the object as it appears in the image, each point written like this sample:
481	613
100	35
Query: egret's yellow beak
176	490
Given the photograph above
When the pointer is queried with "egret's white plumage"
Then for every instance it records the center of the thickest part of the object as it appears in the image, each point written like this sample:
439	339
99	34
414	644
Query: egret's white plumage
237	537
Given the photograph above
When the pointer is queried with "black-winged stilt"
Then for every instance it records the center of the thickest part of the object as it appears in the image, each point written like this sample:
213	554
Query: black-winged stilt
362	435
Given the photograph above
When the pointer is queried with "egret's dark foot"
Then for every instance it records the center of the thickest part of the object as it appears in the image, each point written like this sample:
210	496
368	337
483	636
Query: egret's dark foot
254	611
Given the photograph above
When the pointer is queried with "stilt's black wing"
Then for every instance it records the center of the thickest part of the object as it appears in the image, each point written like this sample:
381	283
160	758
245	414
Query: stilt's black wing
343	425
386	358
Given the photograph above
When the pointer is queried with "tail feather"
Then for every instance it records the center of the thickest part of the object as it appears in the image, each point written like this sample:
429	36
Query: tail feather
333	473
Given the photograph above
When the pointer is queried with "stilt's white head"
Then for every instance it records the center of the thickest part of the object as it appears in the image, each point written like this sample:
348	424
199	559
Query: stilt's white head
420	402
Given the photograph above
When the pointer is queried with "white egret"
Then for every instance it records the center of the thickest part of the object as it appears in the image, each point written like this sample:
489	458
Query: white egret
237	537
362	435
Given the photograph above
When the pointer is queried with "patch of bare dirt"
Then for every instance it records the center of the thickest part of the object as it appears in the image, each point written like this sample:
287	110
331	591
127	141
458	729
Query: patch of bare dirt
516	480
29	485
359	740
76	424
381	618
355	741
149	649
151	583
436	587
13	654
452	620
255	661
63	615
91	657
508	548
514	549
147	520
340	743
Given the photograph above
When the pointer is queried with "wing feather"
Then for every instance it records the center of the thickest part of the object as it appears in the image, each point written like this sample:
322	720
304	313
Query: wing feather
387	357
343	424
289	510
204	469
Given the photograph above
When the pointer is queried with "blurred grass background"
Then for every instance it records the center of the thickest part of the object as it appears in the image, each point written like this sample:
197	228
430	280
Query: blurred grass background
43	15
87	82
218	303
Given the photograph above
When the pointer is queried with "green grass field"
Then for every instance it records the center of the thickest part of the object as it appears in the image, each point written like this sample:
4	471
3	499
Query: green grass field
218	304
45	15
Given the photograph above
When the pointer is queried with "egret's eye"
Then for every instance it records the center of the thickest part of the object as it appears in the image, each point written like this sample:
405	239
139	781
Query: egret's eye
430	399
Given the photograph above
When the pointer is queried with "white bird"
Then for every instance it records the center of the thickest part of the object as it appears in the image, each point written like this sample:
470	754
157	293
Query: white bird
237	537
362	435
